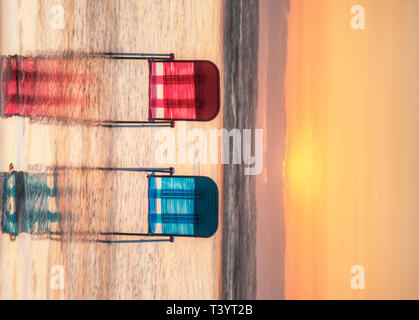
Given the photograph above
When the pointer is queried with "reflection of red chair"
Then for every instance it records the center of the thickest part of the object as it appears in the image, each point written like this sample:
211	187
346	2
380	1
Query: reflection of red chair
36	87
178	90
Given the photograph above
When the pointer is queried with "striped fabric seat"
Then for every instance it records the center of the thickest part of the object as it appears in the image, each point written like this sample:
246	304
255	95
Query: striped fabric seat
185	206
183	90
172	90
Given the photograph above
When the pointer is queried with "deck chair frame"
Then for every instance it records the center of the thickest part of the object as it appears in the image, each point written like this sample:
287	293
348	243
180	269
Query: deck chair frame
152	122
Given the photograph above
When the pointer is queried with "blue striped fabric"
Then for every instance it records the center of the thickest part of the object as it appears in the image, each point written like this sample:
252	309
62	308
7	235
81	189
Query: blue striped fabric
171	205
183	206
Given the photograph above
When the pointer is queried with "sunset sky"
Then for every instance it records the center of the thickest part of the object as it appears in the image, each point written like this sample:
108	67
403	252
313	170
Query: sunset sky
352	158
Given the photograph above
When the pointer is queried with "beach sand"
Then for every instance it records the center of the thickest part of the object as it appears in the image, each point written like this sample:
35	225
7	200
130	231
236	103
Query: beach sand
188	268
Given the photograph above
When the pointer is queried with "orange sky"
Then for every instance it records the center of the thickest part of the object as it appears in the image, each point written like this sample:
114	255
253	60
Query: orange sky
352	168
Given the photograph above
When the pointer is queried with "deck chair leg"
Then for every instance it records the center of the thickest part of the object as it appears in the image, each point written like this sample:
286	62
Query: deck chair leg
137	124
139	56
169	170
134	241
169	239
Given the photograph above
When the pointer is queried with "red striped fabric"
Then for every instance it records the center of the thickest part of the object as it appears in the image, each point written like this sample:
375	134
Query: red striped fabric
172	90
38	87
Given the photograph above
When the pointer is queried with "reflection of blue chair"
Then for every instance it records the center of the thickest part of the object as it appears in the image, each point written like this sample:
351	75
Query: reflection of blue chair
29	203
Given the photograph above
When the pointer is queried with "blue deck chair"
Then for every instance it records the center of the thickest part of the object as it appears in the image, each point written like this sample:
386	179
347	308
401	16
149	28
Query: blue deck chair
184	206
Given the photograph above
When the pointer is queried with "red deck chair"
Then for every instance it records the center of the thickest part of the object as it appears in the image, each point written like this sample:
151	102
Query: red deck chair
178	90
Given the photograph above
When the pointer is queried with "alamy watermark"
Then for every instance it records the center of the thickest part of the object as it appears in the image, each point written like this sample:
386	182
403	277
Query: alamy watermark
358	278
57	277
57	17
214	146
358	18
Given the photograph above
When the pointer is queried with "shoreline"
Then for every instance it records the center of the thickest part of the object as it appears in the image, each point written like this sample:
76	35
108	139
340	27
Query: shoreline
239	208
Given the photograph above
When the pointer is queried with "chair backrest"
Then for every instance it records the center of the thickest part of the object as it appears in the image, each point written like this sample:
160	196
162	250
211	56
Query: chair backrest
182	206
184	90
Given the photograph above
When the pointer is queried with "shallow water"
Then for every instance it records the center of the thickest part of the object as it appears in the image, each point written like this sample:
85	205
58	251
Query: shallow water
239	246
